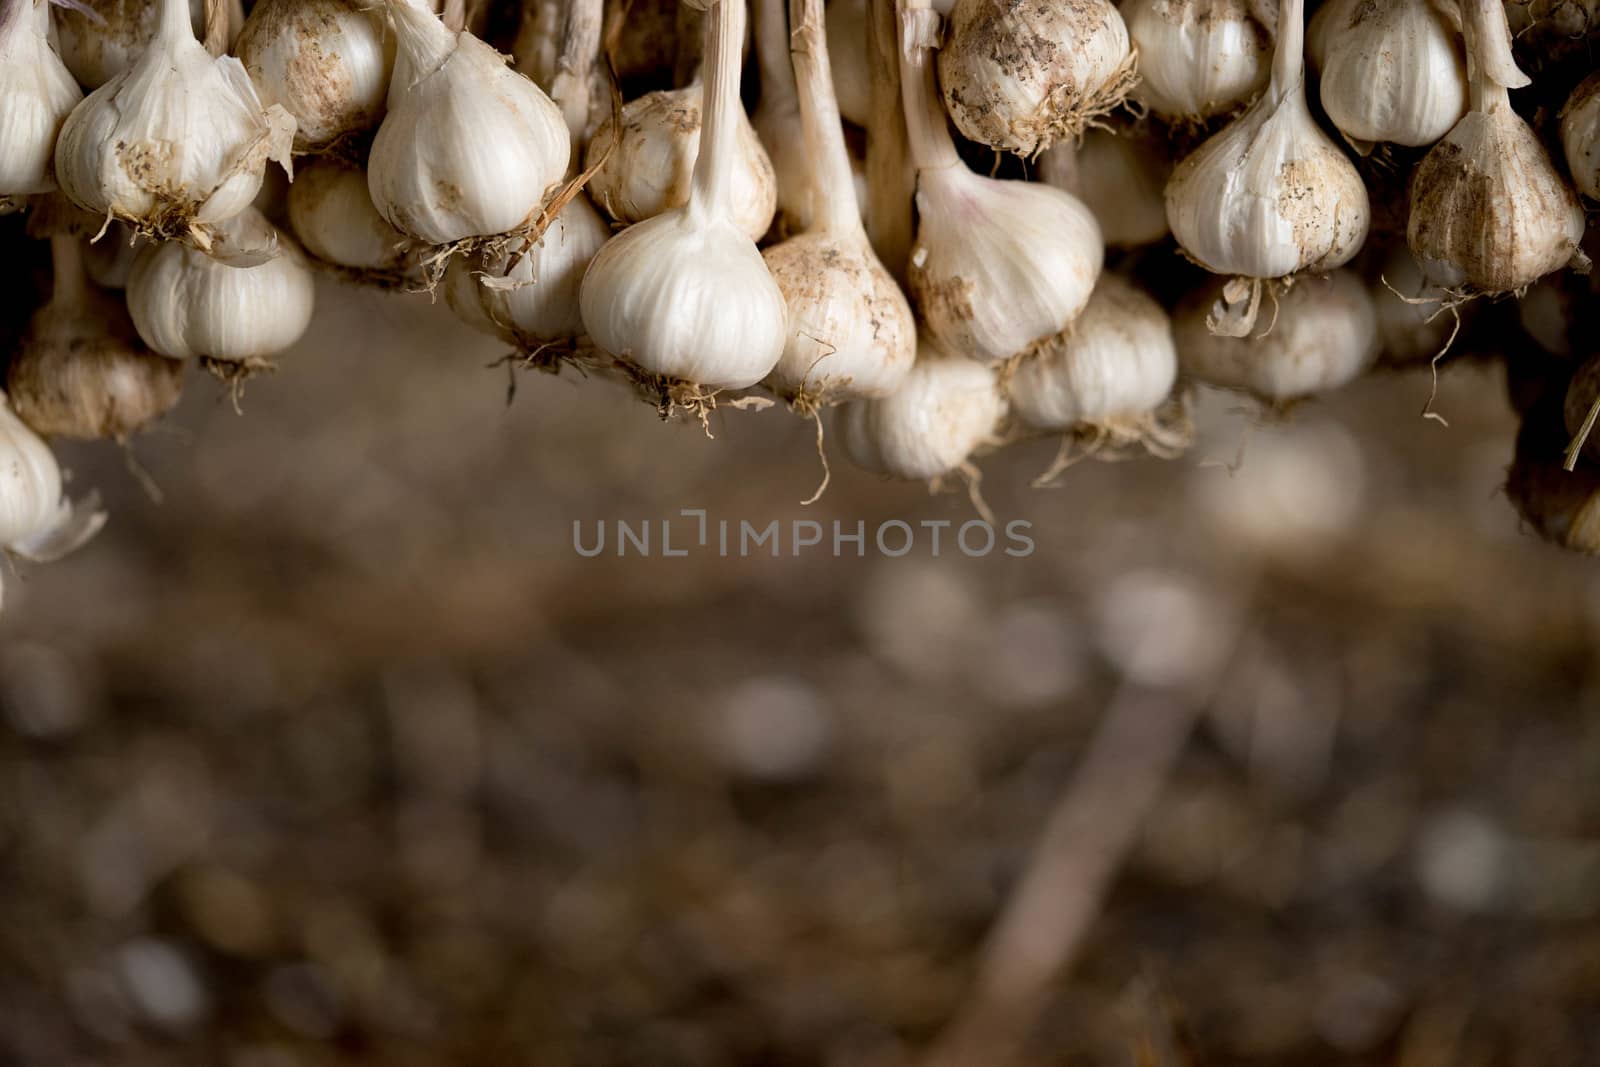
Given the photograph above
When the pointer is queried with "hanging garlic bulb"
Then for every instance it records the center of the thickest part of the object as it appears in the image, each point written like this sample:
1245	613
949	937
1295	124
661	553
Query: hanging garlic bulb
850	331
685	295
1330	15
1197	58
177	143
187	305
1324	335
1489	211
1580	136
847	47
97	48
326	61
1413	323
1121	177
997	265
1562	506
947	407
1019	75
332	215
777	117
469	148
36	521
81	370
37	94
1395	72
1270	195
651	168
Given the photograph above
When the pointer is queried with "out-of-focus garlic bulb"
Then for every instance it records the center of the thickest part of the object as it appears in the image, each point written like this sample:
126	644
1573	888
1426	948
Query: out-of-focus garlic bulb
1413	323
685	296
1019	75
1121	176
1197	58
37	93
187	305
847	47
36	521
1324	335
1581	405
947	407
997	265
97	48
469	147
1562	506
1489	211
1395	72
175	144
326	61
777	117
651	168
332	215
1580	135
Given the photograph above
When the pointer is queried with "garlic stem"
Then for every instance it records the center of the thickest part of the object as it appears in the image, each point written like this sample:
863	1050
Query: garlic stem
175	24
219	27
10	12
454	15
1489	47
891	182
828	154
67	273
720	107
1289	58
419	33
927	127
579	52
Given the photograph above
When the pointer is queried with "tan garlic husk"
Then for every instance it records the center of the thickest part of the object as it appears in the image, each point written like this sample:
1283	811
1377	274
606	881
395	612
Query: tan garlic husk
332	215
81	370
1489	211
847	48
1580	135
1197	58
99	47
997	265
38	94
328	62
851	332
1121	176
176	144
1323	334
1019	75
1395	72
1413	322
776	118
37	522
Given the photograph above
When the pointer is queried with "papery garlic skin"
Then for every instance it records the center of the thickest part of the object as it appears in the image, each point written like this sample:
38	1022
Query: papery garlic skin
1580	136
1115	365
37	94
1395	72
331	212
36	522
1324	334
1019	75
947	407
1121	177
328	62
469	147
1197	58
651	167
847	48
96	52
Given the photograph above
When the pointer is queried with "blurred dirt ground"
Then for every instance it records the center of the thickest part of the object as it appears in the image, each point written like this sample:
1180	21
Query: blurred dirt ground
342	755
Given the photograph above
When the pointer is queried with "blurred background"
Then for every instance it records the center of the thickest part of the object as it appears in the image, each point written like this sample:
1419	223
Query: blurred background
339	753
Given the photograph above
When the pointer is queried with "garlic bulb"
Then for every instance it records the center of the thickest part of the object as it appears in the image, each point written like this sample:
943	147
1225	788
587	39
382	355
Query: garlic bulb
1325	335
1580	136
1270	195
326	61
847	47
1581	402
1395	72
947	407
469	148
1330	15
850	331
81	370
187	305
1019	75
997	265
777	117
177	143
1110	370
36	521
38	94
684	295
1489	211
651	168
332	215
1410	332
1563	506
97	51
1197	58
1121	177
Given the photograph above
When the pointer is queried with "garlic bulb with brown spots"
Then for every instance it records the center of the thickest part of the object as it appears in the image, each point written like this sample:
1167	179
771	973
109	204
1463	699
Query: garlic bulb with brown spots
1121	176
36	95
331	212
1197	58
98	49
1395	72
1580	135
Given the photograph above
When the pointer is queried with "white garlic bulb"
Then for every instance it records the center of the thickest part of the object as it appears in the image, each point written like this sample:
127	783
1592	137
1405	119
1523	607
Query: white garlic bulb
651	167
847	47
1111	369
332	215
947	407
177	143
38	93
326	61
1412	320
1197	58
187	305
36	521
1121	177
1270	195
1395	72
1320	30
685	295
1019	75
1489	211
469	147
777	117
997	265
1580	136
1324	334
97	48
